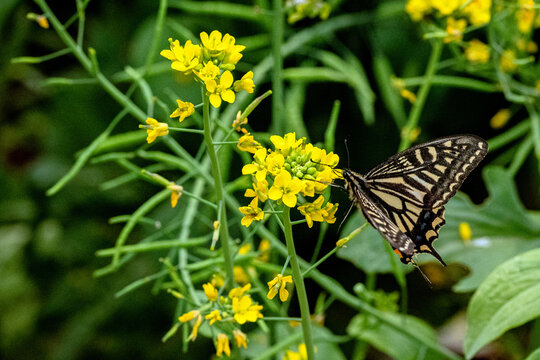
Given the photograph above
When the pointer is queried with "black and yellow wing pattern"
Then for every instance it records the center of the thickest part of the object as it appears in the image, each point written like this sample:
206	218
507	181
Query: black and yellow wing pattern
404	197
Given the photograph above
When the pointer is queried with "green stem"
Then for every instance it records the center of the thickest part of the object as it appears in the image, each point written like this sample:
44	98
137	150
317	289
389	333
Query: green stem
218	185
416	111
277	81
298	283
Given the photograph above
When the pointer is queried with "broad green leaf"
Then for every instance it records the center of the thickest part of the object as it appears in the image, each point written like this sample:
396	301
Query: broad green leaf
535	355
391	341
509	297
501	228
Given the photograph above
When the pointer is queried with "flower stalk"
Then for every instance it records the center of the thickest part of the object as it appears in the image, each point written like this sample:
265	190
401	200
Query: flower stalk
298	280
216	172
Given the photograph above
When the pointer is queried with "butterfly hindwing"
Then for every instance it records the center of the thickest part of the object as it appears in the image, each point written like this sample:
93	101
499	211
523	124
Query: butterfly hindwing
409	191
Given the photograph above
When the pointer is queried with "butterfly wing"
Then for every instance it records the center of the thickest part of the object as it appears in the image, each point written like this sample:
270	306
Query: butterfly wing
413	186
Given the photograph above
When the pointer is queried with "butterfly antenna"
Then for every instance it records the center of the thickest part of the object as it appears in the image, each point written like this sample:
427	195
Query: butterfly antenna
422	273
348	155
345	217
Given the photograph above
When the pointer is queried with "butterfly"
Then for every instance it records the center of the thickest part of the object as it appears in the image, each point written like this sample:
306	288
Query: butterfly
404	197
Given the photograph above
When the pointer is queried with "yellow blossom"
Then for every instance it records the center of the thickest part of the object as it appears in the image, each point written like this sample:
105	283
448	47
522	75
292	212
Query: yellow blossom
213	316
176	192
528	46
232	54
507	62
193	314
42	21
239	291
500	118
525	16
209	72
465	231
446	7
274	162
245	83
417	9
312	211
239	121
184	58
244	310
214	43
477	52
217	280
155	129
300	355
244	249
408	95
220	89
259	164
240	275
184	110
278	284
251	213
286	143
223	345
210	291
329	213
285	188
264	250
260	187
454	29
479	11
240	338
248	143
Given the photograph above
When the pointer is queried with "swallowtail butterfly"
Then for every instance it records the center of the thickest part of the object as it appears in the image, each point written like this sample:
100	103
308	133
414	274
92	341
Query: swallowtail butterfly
404	197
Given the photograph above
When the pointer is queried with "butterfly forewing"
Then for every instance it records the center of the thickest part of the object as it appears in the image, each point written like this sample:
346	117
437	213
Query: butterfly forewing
404	197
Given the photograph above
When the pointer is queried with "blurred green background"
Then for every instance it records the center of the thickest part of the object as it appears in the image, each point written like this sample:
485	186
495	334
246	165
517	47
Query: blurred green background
51	306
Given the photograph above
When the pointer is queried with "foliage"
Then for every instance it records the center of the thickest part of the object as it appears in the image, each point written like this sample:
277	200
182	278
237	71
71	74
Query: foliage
208	210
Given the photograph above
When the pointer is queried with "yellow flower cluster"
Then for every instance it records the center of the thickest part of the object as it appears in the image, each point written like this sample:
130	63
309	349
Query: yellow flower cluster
211	63
477	12
294	169
238	308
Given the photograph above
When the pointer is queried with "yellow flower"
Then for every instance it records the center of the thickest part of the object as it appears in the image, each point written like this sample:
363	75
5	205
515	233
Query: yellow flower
223	345
264	250
244	249
500	118
213	316
184	58
479	11
525	16
176	192
244	310
507	61
217	280
215	44
155	129
185	109
529	46
210	291
232	53
220	91
446	7
454	29
285	188
190	316
259	164
329	213
408	95
240	275
477	52
209	72
248	143
239	291
251	213
418	8
240	338
286	143
42	21
313	211
260	187
274	162
465	231
279	283
246	83
300	355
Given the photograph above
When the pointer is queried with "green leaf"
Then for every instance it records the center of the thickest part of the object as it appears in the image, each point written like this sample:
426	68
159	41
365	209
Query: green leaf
509	297
535	355
391	341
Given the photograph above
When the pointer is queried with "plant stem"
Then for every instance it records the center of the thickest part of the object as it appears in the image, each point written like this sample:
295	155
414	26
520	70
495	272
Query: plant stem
416	110
277	81
298	283
218	185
